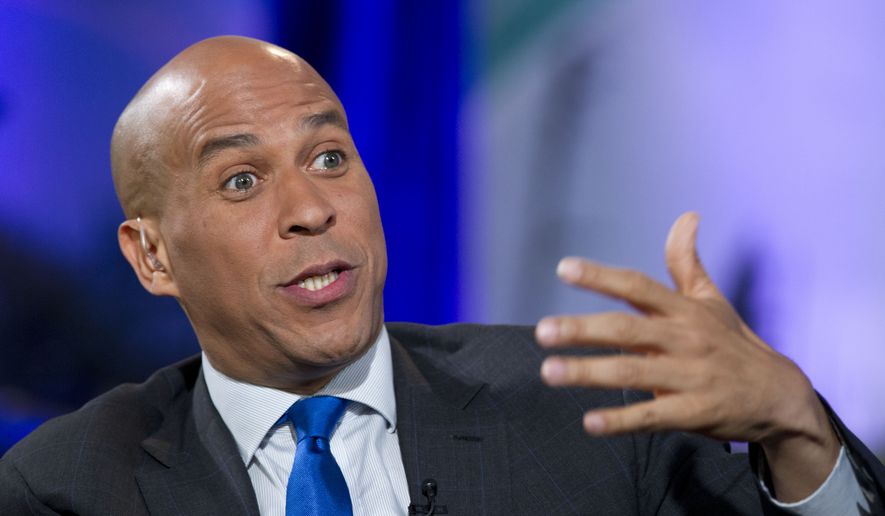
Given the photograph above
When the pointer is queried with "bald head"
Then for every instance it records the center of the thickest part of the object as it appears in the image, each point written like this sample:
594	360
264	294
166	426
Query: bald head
238	156
146	150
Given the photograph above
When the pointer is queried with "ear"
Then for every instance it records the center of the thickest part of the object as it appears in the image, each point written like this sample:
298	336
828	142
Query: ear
150	262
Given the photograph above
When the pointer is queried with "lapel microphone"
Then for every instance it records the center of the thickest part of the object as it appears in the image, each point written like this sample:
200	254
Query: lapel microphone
428	489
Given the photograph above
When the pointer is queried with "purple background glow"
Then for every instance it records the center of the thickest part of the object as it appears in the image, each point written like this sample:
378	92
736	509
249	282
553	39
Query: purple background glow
608	120
501	135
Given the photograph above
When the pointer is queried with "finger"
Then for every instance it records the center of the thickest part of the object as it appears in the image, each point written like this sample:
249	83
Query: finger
638	372
683	261
632	332
663	413
632	286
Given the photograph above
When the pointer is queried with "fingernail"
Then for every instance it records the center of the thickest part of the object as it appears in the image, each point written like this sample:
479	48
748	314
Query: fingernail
594	423
547	331
569	269
553	371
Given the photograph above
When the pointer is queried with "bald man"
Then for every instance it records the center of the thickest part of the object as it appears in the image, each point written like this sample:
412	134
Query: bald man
247	201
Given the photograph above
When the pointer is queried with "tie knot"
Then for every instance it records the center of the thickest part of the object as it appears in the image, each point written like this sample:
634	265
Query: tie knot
316	416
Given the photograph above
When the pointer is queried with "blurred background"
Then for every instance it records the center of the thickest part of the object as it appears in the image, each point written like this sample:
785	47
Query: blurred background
501	135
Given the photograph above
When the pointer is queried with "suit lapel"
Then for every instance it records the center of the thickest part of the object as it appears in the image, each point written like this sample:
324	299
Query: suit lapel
448	428
195	466
449	431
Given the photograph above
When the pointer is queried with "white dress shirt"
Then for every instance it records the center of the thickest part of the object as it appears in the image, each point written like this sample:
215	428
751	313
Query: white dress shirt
839	495
364	443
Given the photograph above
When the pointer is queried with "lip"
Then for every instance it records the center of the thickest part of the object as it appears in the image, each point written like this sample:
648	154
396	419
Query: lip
341	288
319	270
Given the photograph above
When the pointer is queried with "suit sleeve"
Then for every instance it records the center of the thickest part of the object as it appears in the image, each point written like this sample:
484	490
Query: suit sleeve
681	473
16	496
867	467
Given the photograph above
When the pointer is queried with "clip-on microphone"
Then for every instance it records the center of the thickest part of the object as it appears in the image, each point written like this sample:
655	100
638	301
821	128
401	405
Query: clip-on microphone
428	489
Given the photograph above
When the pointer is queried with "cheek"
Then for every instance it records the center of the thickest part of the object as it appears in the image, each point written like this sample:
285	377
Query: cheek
216	260
367	221
207	274
360	201
378	240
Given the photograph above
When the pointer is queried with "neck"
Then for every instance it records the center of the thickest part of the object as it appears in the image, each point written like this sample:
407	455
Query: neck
298	379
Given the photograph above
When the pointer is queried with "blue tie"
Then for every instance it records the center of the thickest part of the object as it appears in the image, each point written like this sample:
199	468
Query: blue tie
316	486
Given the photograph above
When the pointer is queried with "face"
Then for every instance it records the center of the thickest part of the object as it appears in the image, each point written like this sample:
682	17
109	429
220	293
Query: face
271	225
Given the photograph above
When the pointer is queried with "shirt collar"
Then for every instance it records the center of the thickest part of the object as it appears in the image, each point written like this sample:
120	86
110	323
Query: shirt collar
250	411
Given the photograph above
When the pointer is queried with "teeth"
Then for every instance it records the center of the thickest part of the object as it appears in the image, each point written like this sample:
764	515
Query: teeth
315	283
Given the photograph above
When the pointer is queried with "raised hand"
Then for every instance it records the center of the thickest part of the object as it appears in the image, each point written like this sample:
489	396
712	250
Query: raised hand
708	371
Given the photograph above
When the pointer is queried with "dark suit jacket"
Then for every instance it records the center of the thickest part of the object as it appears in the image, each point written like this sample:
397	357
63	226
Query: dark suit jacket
472	414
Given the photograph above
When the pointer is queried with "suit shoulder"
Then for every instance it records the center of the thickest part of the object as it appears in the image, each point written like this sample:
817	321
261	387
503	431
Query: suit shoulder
109	427
498	355
456	337
495	345
506	358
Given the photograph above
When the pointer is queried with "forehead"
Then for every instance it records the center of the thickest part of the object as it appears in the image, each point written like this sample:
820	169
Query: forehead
241	88
262	98
211	146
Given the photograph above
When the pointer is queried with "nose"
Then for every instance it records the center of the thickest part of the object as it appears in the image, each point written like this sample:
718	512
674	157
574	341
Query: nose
304	207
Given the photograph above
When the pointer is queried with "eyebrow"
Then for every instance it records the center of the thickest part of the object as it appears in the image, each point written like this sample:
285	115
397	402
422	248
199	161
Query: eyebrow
310	122
329	117
214	146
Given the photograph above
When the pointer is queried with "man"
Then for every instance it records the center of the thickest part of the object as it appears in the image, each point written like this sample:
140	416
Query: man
246	200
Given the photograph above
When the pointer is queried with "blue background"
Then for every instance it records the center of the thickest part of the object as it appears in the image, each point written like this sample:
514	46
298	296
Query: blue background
74	321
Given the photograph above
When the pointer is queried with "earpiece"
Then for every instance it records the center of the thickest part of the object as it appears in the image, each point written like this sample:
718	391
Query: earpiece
155	263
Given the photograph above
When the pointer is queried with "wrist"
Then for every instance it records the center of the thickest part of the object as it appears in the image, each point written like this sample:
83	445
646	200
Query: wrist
801	456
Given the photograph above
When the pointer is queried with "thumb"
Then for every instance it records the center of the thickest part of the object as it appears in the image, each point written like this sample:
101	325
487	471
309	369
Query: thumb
682	258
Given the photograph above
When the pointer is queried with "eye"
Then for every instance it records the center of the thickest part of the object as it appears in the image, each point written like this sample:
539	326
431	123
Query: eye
242	182
328	160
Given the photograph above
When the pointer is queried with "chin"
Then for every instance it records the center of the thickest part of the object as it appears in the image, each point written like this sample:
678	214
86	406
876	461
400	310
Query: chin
339	347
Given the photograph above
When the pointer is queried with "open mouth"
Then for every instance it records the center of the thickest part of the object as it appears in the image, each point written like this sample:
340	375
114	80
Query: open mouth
322	285
319	277
320	281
